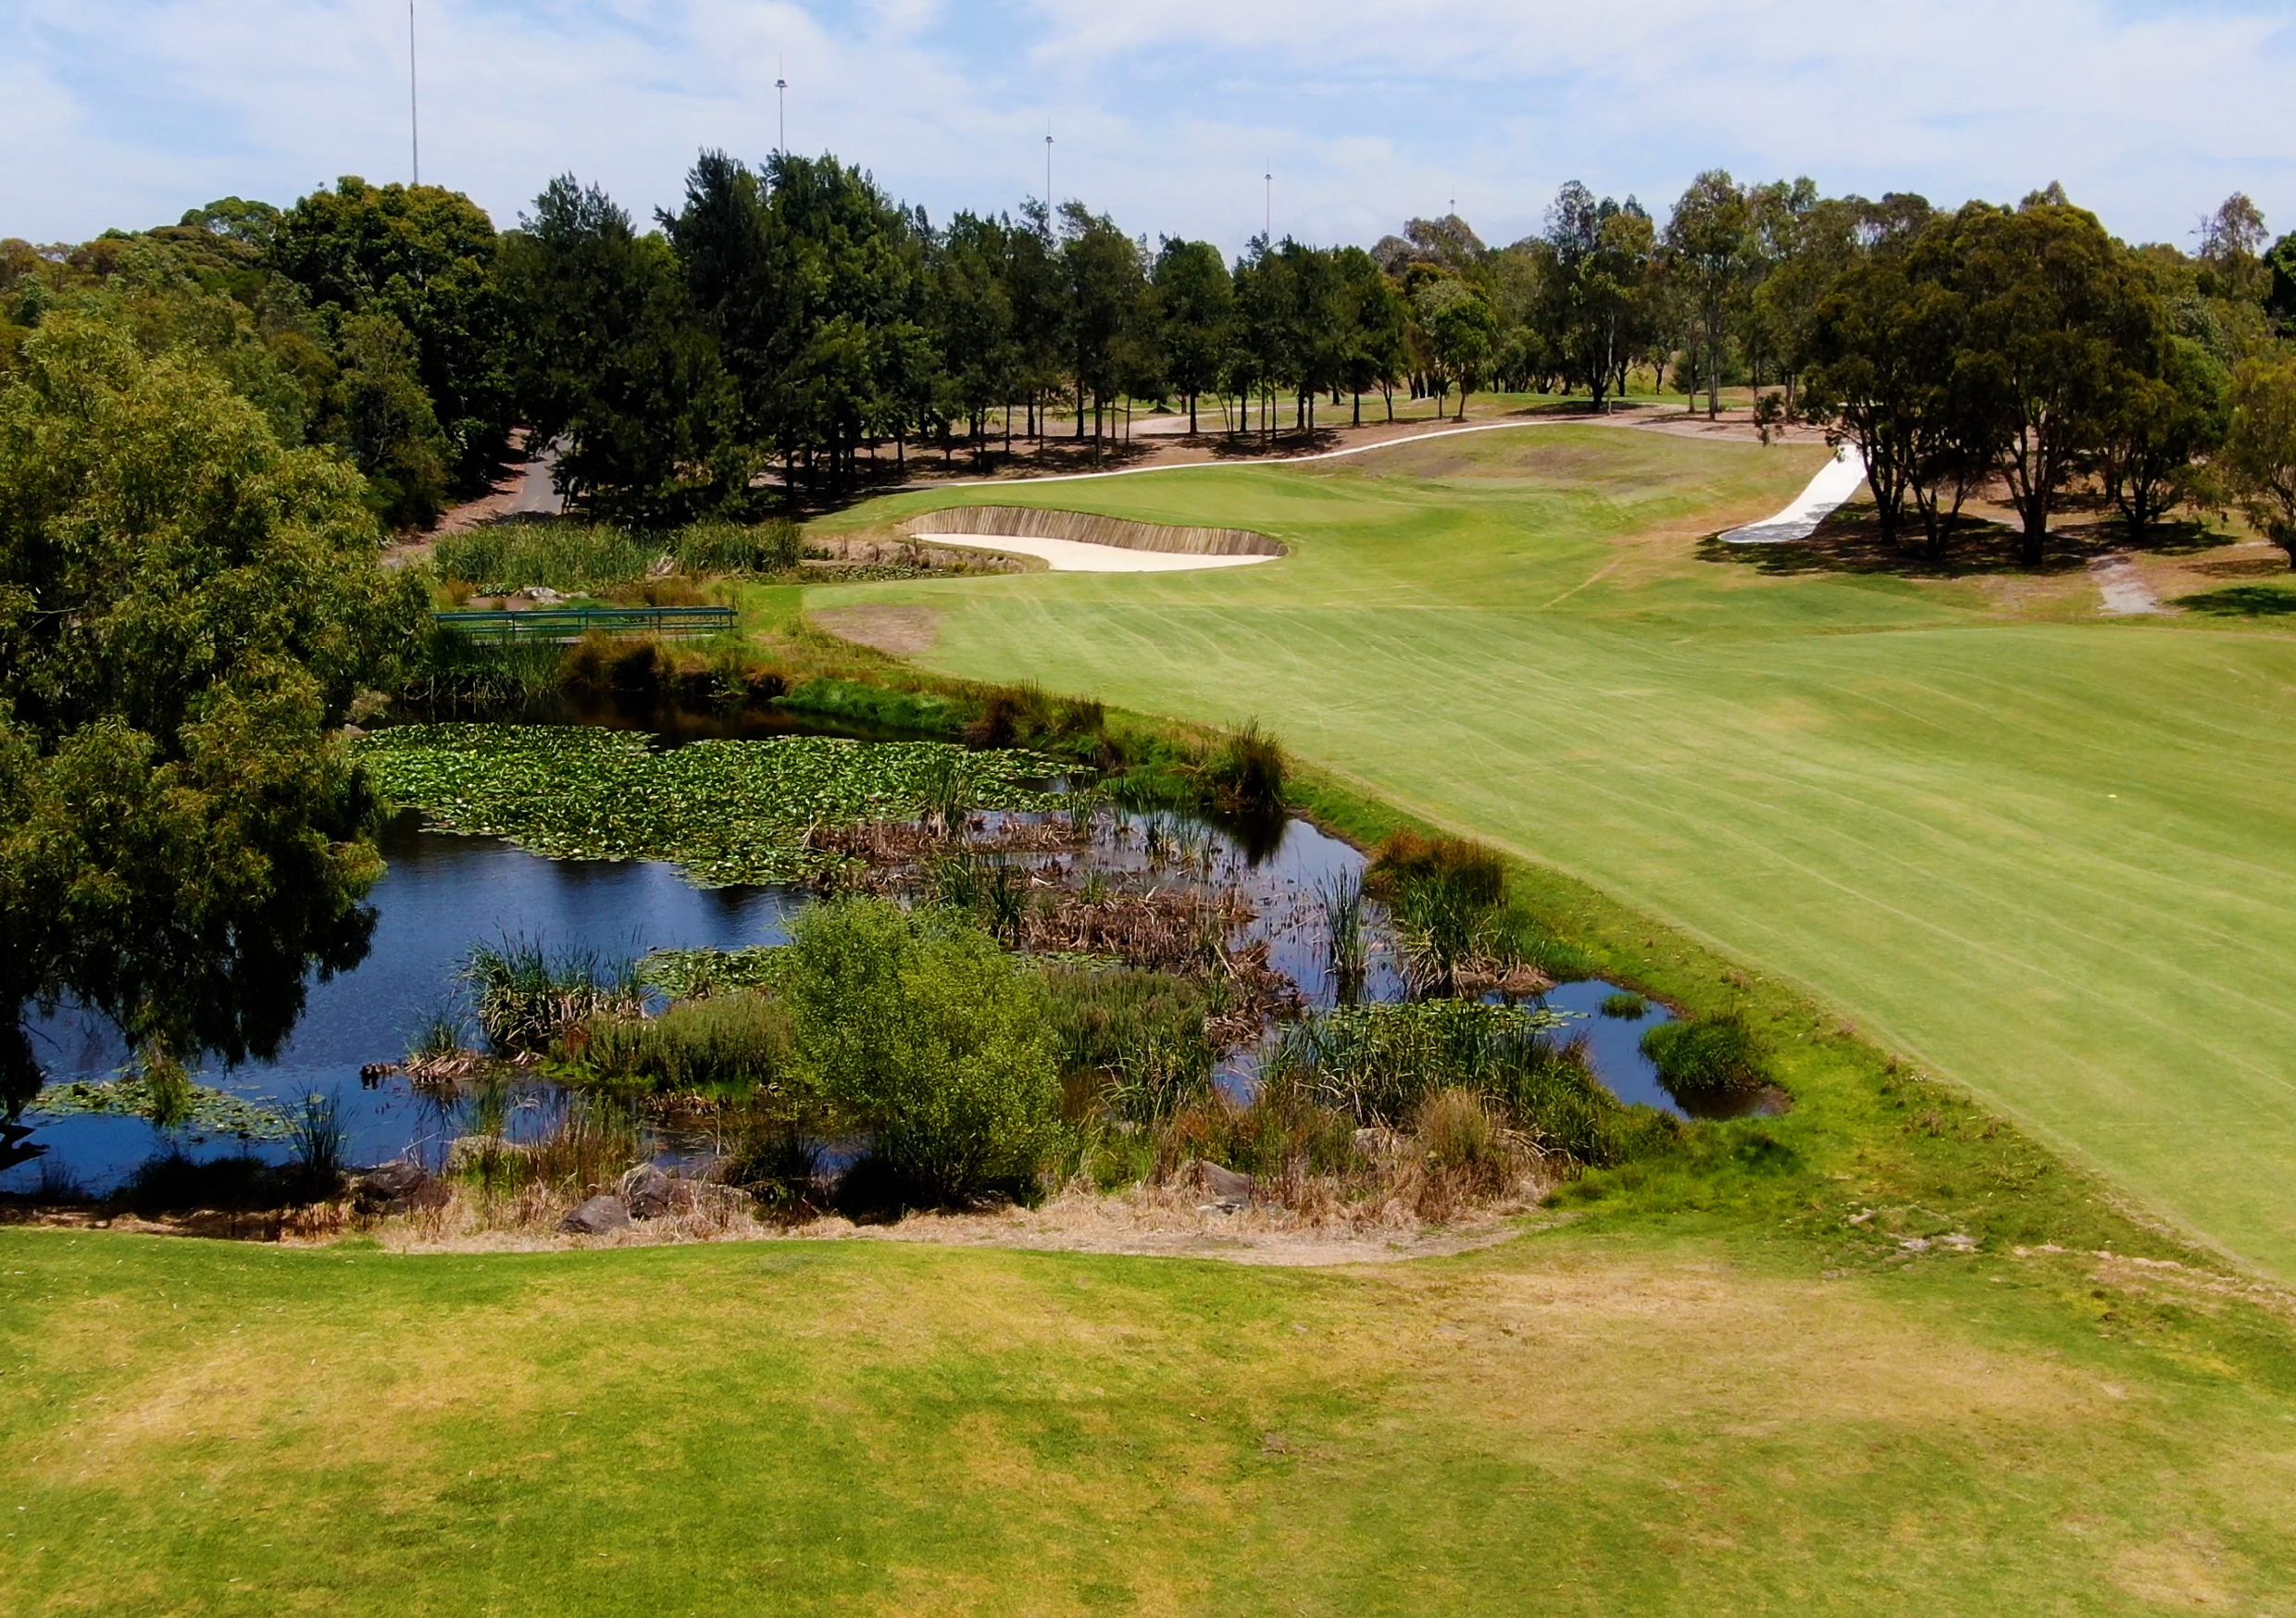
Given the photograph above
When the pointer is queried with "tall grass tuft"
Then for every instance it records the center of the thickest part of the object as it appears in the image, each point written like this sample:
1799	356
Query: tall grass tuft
1134	1041
720	1042
1347	942
1244	775
526	998
318	1144
1626	1006
575	556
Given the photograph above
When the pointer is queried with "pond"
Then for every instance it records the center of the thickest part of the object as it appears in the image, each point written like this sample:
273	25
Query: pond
441	893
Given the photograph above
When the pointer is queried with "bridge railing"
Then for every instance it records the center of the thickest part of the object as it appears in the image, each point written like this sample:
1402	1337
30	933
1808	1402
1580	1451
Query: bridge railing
496	624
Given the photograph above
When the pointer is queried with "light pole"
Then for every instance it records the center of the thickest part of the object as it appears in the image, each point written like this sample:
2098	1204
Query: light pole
780	90
1267	227
413	113
1048	166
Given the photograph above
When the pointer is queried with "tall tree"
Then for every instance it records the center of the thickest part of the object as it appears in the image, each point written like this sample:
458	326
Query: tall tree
1197	305
186	611
2055	313
2260	448
1462	334
614	362
1708	240
1378	326
1600	255
425	257
1106	279
2160	419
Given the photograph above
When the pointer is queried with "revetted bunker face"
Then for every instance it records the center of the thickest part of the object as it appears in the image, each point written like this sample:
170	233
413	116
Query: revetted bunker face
1082	528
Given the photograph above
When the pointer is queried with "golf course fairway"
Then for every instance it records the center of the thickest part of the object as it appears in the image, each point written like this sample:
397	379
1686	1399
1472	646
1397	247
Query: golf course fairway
2048	856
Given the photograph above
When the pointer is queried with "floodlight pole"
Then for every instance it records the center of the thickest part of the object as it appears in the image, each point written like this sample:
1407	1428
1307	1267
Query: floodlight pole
1267	227
780	90
1048	166
414	111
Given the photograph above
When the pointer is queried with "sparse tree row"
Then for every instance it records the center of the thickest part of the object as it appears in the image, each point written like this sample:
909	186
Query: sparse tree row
791	329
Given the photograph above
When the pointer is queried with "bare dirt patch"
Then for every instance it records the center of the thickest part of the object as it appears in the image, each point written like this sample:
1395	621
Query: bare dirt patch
898	631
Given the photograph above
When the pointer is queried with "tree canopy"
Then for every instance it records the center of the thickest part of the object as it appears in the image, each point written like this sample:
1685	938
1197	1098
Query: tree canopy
187	610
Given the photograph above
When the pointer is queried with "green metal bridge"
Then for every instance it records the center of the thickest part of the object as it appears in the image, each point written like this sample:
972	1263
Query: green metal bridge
563	624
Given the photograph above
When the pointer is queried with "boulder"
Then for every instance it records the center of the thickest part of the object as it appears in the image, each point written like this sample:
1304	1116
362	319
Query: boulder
651	1191
1225	1185
601	1215
395	1187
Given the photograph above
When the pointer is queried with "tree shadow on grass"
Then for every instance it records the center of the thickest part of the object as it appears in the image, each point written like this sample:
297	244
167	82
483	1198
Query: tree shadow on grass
1850	542
2242	600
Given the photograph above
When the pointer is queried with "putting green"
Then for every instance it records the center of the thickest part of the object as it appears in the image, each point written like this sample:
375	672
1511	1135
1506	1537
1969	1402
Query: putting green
2055	861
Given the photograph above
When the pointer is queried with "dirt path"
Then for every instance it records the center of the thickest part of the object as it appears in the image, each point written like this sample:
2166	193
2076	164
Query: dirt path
2126	592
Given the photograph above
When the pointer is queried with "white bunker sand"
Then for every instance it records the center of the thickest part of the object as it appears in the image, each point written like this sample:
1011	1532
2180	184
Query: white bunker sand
1838	479
1075	542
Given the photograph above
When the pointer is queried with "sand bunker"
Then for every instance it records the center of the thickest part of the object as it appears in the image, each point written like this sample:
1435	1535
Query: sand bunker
1075	542
1840	479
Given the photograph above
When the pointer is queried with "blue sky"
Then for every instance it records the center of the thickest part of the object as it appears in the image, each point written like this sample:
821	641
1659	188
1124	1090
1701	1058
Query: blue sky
1165	113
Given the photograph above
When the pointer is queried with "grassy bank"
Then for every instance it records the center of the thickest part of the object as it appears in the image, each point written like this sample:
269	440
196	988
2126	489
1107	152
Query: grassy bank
2048	858
1670	1419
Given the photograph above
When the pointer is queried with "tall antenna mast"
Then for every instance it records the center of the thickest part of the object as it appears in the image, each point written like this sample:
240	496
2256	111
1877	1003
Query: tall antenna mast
780	89
414	112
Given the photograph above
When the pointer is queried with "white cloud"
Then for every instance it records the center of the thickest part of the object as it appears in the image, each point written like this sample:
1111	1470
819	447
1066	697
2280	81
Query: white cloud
1165	114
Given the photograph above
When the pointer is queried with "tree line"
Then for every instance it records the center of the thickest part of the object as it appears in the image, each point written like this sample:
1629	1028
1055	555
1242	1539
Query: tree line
787	319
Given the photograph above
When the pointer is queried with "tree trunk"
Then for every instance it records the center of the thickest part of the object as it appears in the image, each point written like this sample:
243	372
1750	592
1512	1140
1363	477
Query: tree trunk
1191	415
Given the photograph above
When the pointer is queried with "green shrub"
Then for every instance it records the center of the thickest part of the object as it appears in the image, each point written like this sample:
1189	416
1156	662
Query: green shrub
705	1044
1720	1055
920	1031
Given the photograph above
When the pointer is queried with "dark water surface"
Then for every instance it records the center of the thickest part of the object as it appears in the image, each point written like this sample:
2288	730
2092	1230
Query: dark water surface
443	894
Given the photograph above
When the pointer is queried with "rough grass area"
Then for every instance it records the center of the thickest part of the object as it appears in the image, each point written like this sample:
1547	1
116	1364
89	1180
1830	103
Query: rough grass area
1577	1423
2053	860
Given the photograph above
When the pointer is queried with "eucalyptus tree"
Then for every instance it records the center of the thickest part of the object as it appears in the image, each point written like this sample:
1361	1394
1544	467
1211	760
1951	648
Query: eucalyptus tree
971	320
1196	312
1038	290
1461	336
2260	448
1260	359
2055	314
1600	256
1708	240
1379	326
2162	418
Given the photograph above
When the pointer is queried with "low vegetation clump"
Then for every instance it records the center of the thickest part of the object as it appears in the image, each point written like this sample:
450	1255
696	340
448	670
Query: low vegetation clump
1717	1056
1626	1006
1136	1040
500	558
1377	1065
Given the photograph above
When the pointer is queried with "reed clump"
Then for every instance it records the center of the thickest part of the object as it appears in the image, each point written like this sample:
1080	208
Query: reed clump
726	1042
1717	1056
526	998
